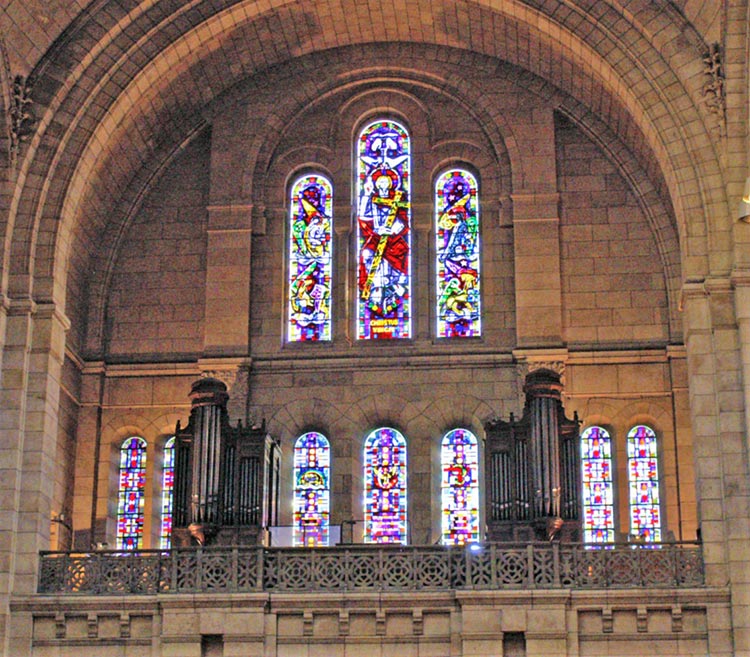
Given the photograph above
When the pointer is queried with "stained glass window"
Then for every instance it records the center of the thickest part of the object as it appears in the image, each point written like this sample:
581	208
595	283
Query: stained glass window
131	494
460	487
385	487
643	479
384	232
457	251
310	264
167	496
312	460
598	489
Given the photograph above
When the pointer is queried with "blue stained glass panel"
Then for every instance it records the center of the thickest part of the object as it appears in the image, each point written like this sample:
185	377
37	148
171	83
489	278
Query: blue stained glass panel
167	496
384	232
385	487
310	264
131	494
457	250
312	490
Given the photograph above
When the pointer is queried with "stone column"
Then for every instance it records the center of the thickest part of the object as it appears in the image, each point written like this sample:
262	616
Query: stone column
721	454
29	396
536	234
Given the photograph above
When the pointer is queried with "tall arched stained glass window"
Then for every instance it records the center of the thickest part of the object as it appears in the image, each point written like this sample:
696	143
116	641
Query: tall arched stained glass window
457	251
384	232
131	494
385	487
167	495
460	487
598	489
310	264
312	490
643	480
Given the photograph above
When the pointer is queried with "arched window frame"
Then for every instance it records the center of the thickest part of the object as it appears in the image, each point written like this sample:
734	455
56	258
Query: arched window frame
131	494
310	259
385	471
644	493
458	309
312	490
459	487
598	494
167	494
383	190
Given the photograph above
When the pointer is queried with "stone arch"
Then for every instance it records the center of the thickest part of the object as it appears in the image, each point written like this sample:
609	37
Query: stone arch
702	189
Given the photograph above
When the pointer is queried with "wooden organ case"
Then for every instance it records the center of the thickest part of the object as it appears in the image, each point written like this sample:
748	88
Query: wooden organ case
226	487
533	468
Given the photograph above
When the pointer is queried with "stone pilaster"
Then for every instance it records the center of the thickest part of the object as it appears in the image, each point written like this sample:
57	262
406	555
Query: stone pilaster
33	356
536	233
721	455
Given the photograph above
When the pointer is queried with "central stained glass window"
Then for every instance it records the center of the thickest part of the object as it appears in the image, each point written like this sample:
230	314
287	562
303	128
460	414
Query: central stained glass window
310	264
384	232
460	487
312	460
598	489
385	487
457	250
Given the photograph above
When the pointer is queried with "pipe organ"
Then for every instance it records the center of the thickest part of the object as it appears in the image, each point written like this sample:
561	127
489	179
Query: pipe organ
532	468
226	477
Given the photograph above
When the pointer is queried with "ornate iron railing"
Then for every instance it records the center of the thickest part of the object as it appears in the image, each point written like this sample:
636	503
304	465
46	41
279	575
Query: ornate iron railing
371	568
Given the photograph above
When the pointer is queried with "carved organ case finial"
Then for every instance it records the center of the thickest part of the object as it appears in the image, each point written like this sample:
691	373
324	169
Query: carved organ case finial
533	467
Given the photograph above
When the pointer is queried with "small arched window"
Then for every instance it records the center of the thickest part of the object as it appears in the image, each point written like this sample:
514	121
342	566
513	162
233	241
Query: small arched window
167	495
385	487
131	494
383	232
598	488
460	488
312	490
310	264
457	251
643	484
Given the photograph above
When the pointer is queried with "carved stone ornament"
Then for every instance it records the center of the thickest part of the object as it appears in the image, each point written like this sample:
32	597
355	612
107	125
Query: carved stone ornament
713	91
527	367
21	115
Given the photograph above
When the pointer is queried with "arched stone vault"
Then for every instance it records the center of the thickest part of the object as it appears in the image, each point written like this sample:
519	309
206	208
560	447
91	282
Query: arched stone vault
146	75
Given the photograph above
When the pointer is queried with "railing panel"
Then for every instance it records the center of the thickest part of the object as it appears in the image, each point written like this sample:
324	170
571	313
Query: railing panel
372	568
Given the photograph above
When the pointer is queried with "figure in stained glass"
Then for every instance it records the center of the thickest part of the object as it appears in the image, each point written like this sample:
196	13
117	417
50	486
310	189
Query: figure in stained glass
310	259
312	459
457	248
384	238
459	488
385	487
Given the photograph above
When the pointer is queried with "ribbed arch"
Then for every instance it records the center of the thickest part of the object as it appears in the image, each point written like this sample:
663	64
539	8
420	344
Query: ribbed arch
204	39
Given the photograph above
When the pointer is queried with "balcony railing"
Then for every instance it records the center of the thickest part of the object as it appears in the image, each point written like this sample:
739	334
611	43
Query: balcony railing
371	568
